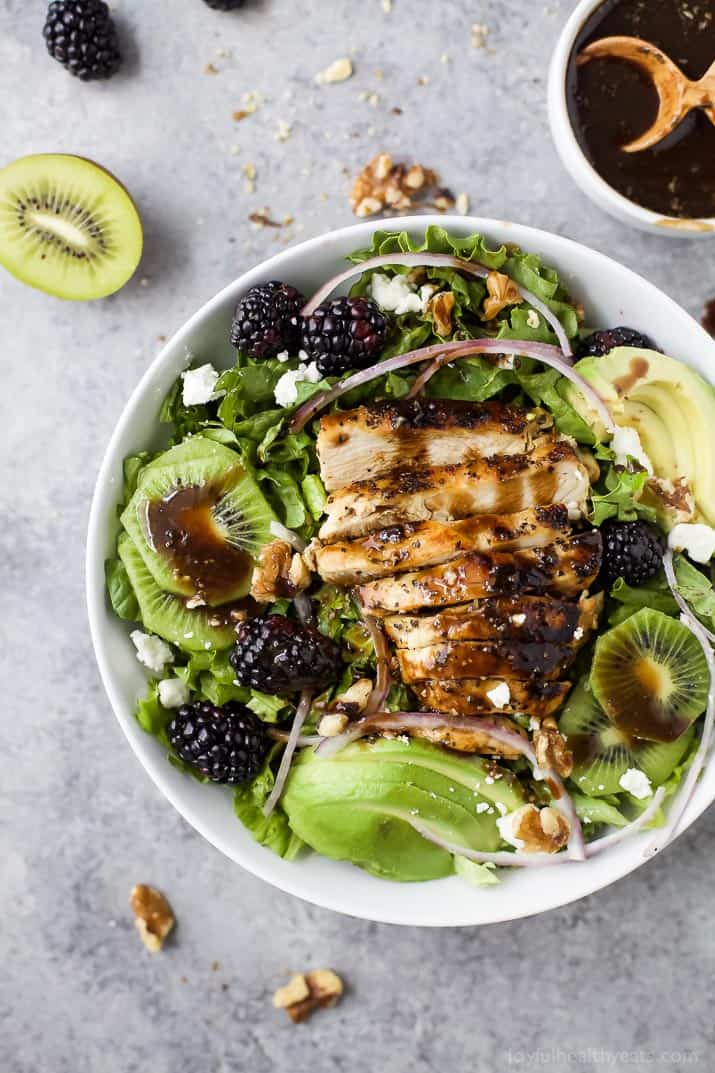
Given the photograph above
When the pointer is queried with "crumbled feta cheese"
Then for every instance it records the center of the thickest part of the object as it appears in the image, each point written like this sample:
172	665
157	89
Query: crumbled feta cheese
627	444
696	539
532	319
395	294
506	826
173	693
636	782
578	633
483	806
283	357
151	650
499	695
501	808
286	390
199	385
518	620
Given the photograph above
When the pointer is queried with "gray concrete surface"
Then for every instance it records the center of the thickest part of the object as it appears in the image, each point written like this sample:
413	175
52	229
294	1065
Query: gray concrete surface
629	970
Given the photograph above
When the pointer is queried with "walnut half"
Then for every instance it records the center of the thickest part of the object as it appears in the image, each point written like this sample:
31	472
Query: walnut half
502	292
307	992
534	830
153	916
552	749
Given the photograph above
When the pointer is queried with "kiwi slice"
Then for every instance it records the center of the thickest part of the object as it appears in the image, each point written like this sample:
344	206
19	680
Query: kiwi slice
194	630
603	753
199	520
650	676
67	226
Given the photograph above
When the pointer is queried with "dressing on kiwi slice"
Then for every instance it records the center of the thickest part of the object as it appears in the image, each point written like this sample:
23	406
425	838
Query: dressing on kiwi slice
199	519
67	227
603	753
650	676
192	629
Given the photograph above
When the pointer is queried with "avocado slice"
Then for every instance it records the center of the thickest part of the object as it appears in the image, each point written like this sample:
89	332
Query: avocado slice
357	805
671	407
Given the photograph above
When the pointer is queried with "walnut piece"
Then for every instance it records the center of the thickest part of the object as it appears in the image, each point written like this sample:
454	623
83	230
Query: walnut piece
279	573
535	830
502	292
339	71
153	916
307	992
382	184
354	699
441	307
333	724
551	748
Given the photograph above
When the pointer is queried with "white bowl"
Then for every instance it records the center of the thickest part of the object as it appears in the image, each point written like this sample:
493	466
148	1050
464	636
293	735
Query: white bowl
612	295
576	162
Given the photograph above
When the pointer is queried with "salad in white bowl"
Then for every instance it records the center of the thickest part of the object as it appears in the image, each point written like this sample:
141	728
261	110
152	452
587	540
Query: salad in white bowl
423	578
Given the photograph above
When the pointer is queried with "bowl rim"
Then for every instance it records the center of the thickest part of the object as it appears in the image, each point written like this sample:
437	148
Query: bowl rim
577	163
610	866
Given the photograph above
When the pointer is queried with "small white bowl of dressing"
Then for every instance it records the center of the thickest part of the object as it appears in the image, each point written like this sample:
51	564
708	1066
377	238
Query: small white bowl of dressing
575	159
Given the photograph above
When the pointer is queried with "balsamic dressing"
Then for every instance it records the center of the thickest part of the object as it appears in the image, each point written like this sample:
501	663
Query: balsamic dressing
611	102
182	527
708	320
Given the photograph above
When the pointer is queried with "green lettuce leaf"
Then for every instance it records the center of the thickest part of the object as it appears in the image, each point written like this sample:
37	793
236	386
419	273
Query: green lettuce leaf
273	832
545	389
653	593
477	875
696	589
121	593
617	495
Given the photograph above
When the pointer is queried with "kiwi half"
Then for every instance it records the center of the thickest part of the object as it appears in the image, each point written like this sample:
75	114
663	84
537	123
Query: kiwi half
67	227
650	676
603	753
194	630
199	520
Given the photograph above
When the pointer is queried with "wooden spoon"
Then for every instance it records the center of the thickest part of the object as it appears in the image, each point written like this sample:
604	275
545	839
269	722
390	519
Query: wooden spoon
676	93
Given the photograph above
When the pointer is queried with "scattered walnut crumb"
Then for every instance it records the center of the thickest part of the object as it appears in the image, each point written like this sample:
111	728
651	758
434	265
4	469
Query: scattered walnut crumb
441	307
479	34
242	113
339	71
382	184
209	69
307	992
423	80
262	219
153	916
249	170
551	748
387	6
502	292
284	131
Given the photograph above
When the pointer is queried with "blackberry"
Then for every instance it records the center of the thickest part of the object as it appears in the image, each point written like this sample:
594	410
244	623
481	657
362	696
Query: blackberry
224	5
344	333
80	34
267	320
278	655
631	550
226	744
599	343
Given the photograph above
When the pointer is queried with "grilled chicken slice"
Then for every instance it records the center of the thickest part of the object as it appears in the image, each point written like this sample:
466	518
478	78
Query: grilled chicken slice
540	619
464	739
469	696
504	484
417	544
435	432
474	659
566	568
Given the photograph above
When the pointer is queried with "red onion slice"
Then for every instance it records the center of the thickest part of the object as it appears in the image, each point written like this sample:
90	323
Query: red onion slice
683	797
304	608
444	352
299	718
504	859
383	680
669	567
404	721
435	260
304	740
280	532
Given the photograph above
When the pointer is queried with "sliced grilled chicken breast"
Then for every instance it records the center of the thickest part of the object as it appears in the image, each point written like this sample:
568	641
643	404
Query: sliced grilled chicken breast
551	473
566	568
464	739
540	619
472	659
470	696
369	441
417	544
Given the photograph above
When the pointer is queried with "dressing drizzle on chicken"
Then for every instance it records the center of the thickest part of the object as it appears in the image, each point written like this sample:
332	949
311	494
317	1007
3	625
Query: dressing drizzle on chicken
453	525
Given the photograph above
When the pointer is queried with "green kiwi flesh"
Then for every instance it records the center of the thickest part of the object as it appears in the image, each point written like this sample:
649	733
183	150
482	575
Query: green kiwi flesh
167	615
67	227
199	520
650	676
603	753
